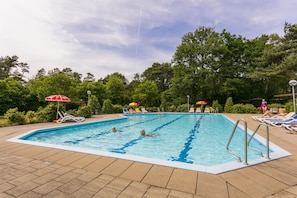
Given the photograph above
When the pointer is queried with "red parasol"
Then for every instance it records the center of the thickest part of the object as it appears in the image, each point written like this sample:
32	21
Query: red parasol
58	98
201	102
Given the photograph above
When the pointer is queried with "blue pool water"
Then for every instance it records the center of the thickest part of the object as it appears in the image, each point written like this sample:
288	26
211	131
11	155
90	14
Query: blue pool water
193	139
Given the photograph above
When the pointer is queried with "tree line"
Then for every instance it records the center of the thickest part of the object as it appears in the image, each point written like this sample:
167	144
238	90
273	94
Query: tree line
207	65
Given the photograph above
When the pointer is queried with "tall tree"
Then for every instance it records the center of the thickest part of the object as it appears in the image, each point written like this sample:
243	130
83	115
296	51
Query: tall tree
115	88
12	94
54	83
147	94
278	62
97	89
120	76
161	74
90	77
205	60
10	67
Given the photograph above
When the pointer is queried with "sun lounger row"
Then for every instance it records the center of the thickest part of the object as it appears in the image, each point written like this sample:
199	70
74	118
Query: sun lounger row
264	118
137	110
288	121
198	110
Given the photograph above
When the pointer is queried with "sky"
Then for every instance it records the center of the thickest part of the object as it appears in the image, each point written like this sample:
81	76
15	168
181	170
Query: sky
125	36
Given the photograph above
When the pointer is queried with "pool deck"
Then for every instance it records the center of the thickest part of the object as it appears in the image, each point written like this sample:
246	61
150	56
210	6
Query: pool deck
33	171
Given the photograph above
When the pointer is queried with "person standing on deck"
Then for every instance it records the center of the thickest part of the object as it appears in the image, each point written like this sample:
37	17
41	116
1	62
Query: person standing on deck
263	106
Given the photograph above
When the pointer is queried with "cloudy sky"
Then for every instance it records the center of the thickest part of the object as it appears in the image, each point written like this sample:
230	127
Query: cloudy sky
126	36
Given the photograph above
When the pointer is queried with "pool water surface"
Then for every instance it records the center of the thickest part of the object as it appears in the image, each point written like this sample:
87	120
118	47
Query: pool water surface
183	140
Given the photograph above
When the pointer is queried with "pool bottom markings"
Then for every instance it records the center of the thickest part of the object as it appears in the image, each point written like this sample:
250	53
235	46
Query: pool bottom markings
103	133
133	142
187	146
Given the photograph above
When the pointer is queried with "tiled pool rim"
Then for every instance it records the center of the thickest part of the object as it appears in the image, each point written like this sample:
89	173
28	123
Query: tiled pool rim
217	169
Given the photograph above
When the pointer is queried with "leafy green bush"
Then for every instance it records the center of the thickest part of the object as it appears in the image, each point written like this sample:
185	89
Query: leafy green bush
72	112
117	108
276	105
107	106
48	113
172	108
216	106
241	108
95	104
152	109
182	108
228	105
13	116
289	106
31	117
85	111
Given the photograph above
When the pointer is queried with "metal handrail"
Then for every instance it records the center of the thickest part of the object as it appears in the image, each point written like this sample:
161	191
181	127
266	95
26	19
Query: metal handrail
245	142
267	140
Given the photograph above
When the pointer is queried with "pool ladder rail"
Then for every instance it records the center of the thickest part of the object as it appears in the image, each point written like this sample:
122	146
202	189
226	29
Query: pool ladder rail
247	142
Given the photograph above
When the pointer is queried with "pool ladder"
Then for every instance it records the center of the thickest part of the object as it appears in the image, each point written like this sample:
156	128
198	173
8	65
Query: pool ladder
247	142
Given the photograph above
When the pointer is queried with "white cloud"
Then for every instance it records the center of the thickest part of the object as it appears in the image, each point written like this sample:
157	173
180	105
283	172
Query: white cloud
103	36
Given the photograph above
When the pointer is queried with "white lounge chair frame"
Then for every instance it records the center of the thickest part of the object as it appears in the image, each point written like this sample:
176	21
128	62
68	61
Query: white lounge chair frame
64	117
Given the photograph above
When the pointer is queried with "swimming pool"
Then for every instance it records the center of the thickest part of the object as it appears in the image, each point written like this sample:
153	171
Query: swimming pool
190	141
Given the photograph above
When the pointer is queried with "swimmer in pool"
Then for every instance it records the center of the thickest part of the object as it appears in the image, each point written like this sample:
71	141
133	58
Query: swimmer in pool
113	129
142	133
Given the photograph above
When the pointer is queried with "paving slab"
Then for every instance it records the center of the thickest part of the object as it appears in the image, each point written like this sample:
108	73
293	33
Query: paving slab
158	176
208	181
183	180
34	171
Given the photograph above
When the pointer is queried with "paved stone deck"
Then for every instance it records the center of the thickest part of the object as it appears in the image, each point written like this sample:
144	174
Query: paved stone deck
33	171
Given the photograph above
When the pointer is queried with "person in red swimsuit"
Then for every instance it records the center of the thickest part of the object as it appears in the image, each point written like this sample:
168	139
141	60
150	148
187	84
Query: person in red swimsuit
263	106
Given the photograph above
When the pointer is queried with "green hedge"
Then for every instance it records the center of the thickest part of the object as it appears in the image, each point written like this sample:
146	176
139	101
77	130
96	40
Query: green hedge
15	117
243	108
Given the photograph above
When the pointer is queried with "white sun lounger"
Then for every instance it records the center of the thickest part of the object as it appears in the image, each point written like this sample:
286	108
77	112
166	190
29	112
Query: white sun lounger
143	110
279	122
198	110
64	117
276	117
206	110
290	125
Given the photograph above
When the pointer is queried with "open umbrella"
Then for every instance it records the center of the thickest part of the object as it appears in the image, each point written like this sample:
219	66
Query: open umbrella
58	98
201	102
134	104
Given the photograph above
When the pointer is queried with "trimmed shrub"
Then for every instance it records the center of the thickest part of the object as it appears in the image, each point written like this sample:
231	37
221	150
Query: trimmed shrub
107	106
152	109
241	108
117	108
216	106
289	106
31	117
228	105
15	117
95	104
48	113
182	108
72	112
85	111
275	105
172	108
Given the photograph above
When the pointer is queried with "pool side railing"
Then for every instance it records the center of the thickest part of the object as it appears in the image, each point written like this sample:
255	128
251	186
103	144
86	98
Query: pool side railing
247	142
